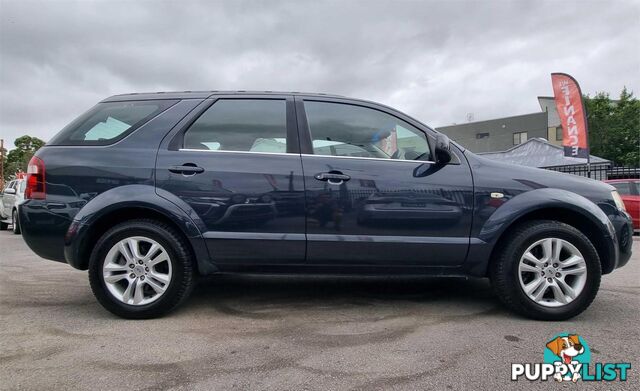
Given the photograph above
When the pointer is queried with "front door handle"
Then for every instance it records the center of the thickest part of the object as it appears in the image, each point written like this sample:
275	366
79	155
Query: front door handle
186	169
333	178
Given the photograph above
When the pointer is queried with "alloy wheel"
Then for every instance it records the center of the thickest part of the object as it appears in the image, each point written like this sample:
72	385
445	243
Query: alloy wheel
137	270
552	272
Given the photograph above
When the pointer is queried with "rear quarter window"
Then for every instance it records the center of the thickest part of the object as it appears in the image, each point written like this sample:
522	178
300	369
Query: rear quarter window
109	122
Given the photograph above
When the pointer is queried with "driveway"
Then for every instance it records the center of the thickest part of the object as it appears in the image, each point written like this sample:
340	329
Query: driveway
293	333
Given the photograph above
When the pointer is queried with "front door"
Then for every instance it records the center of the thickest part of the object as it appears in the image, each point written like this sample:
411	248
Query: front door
238	169
374	196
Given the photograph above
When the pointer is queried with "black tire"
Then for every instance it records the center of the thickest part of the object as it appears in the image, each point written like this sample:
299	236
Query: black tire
15	222
182	279
504	270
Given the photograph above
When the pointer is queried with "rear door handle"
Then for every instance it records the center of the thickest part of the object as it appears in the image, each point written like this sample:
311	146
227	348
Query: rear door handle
186	169
333	178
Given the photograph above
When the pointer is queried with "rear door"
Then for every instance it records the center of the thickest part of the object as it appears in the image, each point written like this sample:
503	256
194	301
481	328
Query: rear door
237	168
374	195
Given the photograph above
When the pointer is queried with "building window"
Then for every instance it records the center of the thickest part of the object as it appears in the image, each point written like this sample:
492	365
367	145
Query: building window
519	138
559	133
482	135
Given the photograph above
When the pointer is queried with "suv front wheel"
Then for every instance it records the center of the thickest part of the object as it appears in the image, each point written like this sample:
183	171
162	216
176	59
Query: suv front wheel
546	270
141	269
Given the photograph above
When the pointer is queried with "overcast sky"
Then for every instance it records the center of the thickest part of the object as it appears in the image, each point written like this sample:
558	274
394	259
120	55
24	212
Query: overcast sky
434	60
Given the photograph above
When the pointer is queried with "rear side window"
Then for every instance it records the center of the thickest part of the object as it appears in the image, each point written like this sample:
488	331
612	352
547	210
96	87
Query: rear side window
109	122
244	125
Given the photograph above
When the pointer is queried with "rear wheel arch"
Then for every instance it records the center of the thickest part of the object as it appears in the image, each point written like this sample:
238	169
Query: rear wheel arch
564	215
109	219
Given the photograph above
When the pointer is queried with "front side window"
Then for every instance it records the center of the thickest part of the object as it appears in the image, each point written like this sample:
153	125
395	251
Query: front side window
346	130
243	125
108	122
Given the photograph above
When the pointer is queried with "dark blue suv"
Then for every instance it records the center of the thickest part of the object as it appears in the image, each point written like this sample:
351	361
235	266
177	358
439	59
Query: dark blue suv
149	191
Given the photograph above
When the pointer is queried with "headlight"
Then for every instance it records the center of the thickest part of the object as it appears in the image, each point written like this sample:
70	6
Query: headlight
618	200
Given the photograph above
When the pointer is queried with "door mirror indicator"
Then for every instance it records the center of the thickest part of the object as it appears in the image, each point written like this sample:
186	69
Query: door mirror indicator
443	149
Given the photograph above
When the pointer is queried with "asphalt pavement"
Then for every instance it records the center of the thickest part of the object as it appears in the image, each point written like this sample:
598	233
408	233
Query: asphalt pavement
294	333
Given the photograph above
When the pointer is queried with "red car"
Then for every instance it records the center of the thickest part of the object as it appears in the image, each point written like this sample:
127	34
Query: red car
629	190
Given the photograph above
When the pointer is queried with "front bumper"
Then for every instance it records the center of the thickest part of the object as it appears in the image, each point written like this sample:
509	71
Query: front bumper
623	227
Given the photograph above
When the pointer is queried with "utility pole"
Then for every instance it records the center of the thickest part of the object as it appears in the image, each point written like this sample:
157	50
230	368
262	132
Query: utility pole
1	164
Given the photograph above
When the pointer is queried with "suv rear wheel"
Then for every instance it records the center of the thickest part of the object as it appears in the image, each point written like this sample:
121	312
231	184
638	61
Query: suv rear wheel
546	270
141	269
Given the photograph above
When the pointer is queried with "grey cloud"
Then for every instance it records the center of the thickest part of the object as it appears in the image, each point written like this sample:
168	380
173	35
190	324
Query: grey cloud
436	60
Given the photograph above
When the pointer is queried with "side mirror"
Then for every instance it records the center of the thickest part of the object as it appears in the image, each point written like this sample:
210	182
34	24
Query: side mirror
443	149
10	191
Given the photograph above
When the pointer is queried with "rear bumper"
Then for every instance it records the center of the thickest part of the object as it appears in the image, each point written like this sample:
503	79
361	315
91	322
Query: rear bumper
43	230
73	241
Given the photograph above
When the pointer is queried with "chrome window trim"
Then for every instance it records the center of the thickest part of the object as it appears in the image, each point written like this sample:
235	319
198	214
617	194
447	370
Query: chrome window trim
308	155
371	158
245	152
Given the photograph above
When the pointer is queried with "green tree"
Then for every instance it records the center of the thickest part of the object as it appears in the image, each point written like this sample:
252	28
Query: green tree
18	158
614	127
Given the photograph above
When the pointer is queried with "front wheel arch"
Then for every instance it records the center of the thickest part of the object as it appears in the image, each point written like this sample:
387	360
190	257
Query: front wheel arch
506	278
569	217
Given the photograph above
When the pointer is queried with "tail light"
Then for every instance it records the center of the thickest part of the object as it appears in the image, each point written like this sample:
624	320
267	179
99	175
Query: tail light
36	189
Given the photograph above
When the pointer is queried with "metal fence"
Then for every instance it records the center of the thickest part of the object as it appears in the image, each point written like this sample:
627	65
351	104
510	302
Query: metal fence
600	172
